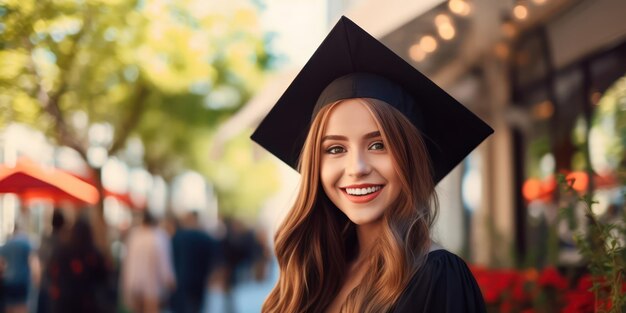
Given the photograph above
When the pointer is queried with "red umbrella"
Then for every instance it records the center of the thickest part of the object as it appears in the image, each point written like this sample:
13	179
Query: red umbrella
30	180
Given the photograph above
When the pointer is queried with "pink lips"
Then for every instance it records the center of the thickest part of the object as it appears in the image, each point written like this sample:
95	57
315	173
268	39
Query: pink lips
363	198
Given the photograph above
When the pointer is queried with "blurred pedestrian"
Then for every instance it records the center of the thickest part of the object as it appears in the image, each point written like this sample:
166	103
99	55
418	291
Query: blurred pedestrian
20	270
147	274
195	258
77	273
241	250
50	244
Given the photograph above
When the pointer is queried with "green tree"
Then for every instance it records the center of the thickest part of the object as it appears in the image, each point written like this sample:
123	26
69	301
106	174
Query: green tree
243	175
164	71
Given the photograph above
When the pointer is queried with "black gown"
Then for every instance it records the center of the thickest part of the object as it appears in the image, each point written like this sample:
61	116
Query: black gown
443	284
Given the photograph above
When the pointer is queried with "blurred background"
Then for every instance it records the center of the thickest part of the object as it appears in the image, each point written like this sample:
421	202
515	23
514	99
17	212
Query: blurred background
128	182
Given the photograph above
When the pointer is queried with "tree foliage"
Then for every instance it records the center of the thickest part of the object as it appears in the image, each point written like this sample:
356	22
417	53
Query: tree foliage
166	72
151	68
243	174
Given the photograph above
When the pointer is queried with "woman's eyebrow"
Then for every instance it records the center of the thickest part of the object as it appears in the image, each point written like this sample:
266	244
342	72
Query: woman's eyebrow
334	137
373	134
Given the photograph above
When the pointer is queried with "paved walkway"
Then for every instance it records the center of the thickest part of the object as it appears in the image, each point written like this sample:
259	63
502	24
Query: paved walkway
248	296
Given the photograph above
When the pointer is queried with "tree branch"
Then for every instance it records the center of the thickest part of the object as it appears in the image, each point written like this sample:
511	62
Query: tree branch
132	119
50	101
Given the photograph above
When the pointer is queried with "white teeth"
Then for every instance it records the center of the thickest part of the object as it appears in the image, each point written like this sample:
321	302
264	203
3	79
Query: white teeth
362	191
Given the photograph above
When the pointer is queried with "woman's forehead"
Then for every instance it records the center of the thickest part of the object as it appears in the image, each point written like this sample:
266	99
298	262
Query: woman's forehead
351	115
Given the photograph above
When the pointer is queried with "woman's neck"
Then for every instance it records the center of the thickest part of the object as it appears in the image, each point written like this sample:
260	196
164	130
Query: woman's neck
367	235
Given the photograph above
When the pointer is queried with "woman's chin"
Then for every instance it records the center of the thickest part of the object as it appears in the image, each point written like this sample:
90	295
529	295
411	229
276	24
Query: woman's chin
362	220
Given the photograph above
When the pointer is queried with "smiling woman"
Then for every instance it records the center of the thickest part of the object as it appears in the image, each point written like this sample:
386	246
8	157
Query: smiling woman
357	170
371	136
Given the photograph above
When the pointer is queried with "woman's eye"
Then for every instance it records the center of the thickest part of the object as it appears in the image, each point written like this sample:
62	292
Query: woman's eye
335	150
377	146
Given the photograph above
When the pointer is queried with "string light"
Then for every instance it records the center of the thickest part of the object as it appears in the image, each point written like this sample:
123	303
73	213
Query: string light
441	19
428	44
416	53
460	7
444	27
520	12
446	31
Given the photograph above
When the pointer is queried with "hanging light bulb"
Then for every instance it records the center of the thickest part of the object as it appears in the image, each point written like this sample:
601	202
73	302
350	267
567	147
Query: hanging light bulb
444	27
456	6
428	43
467	9
520	11
441	19
539	2
460	7
416	53
446	31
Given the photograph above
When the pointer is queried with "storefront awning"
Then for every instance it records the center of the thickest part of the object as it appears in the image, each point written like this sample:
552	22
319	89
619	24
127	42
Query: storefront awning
30	180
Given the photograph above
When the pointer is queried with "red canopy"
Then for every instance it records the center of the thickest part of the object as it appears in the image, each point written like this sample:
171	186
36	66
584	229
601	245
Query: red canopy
30	180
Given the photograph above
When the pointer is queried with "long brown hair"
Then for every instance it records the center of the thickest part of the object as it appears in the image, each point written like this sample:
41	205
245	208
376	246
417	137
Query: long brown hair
316	242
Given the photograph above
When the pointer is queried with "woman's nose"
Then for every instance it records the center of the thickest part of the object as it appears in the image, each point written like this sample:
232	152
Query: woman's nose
357	165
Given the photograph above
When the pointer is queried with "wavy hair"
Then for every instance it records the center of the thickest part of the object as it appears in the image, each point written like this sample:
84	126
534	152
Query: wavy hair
316	242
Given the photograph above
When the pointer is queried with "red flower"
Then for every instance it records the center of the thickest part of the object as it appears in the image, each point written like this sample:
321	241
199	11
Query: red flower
506	307
551	277
491	295
494	283
578	301
505	279
605	304
585	283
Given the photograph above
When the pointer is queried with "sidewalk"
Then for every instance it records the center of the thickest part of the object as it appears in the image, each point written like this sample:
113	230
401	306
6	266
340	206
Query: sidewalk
248	296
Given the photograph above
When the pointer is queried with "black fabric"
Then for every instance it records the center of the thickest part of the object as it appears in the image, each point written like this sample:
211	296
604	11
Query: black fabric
366	85
451	130
444	284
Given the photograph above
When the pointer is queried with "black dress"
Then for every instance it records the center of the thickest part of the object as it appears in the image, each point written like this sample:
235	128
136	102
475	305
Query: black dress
443	284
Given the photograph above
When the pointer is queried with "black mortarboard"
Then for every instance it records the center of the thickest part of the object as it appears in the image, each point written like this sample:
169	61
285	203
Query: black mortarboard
350	63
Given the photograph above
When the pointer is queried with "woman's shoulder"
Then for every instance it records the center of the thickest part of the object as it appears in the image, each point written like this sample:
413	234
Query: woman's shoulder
441	256
444	283
442	263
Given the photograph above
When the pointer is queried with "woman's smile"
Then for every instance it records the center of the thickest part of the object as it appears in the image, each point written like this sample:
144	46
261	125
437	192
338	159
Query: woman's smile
362	193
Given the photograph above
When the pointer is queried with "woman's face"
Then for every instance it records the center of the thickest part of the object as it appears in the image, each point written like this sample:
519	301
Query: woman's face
357	171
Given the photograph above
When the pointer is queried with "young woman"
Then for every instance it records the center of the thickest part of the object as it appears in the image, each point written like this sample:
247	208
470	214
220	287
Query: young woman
357	238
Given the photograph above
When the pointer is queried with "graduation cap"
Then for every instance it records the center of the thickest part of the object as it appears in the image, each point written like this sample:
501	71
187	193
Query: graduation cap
350	63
